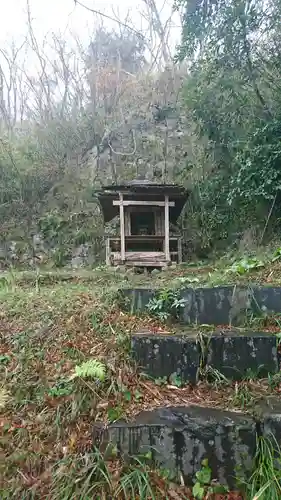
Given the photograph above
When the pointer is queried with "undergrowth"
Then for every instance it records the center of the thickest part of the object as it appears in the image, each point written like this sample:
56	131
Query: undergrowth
101	475
65	364
265	481
166	304
265	267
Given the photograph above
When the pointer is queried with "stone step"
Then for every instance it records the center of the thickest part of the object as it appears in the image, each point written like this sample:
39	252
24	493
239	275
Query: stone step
220	305
231	353
181	437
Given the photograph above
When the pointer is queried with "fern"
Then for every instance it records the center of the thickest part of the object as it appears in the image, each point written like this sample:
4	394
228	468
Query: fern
4	398
90	369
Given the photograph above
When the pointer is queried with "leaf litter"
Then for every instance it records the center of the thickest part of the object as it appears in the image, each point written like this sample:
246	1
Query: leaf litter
47	419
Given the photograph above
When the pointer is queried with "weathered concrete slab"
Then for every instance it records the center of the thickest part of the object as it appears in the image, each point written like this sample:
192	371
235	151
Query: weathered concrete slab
165	355
189	313
235	355
180	438
270	417
135	299
266	300
217	305
221	305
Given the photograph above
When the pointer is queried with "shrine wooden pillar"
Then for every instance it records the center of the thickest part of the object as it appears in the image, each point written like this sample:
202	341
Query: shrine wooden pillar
122	228
167	231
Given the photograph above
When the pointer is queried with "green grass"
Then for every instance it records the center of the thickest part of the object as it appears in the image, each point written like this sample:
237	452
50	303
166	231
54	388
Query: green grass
96	476
264	267
51	323
48	406
265	482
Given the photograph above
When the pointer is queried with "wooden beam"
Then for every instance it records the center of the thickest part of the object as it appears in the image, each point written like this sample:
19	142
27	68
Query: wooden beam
167	230
141	259
150	237
122	228
138	263
127	203
107	251
151	256
179	251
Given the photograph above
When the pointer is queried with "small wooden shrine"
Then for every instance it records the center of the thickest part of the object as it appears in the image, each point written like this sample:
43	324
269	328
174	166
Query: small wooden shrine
146	210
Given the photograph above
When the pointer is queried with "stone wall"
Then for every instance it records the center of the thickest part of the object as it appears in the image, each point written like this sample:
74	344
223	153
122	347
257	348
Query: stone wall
232	353
181	437
222	305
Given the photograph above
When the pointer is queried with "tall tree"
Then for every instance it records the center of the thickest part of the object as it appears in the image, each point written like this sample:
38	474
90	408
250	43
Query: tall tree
233	94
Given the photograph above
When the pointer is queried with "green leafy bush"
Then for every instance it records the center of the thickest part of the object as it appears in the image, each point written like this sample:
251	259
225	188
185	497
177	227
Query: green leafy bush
166	304
245	265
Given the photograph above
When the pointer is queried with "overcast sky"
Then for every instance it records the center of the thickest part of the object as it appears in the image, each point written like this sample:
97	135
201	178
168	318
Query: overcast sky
62	15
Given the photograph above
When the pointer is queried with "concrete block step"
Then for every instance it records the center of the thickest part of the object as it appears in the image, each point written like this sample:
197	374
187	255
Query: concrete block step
179	438
220	305
164	355
232	354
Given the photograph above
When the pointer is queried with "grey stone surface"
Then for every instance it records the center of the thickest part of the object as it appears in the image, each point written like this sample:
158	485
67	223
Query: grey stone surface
234	354
165	355
136	299
36	250
189	313
266	299
221	305
80	256
217	305
180	438
270	415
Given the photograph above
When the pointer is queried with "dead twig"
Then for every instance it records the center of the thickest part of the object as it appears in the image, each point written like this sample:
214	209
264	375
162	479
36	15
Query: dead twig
94	11
268	217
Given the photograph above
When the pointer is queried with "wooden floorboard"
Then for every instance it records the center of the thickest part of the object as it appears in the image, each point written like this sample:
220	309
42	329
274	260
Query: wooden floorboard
143	256
143	259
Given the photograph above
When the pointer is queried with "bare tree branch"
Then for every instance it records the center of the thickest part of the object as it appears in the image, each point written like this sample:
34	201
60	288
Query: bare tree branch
122	153
161	30
94	11
9	83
